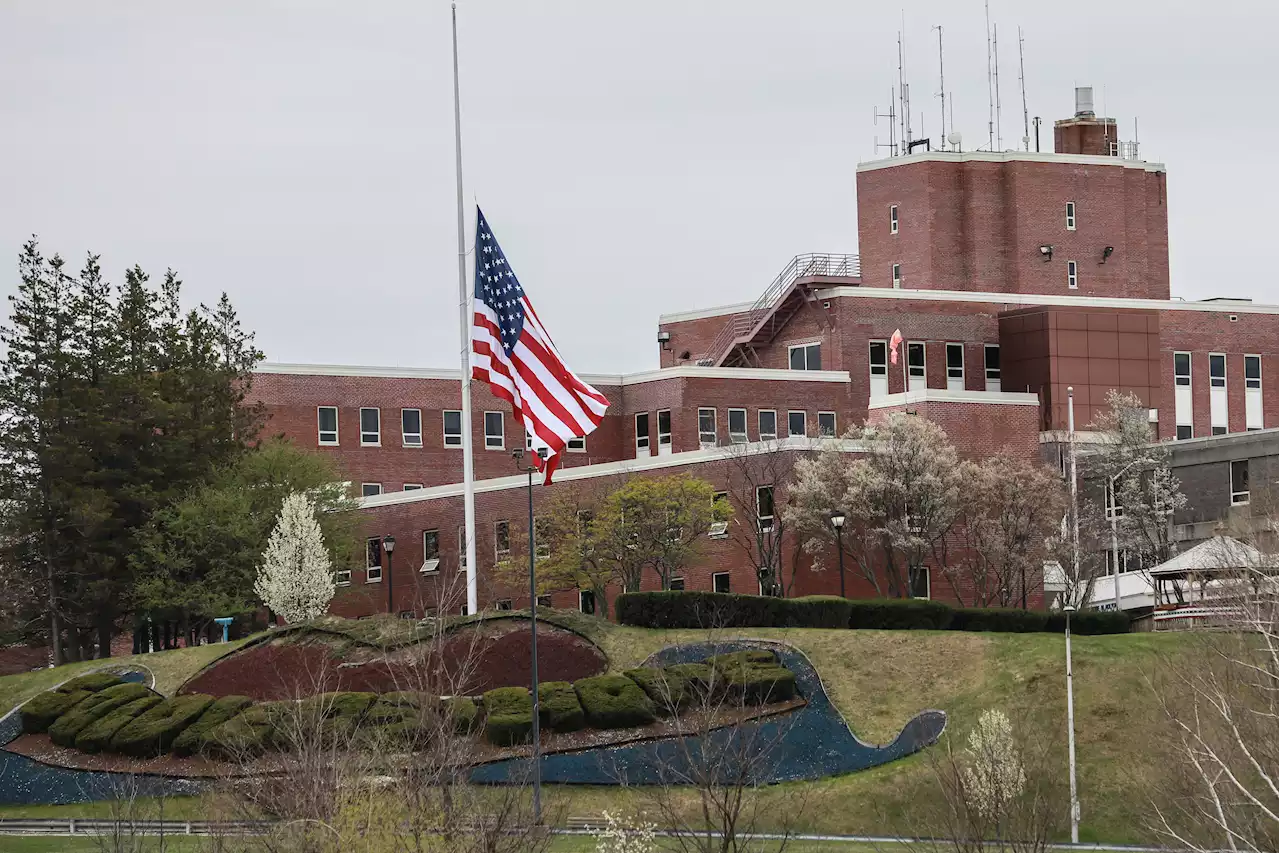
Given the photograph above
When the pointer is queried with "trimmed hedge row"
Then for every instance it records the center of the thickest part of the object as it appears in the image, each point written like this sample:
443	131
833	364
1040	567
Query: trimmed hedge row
195	737
614	702
64	730
558	707
97	736
680	609
154	732
508	716
43	710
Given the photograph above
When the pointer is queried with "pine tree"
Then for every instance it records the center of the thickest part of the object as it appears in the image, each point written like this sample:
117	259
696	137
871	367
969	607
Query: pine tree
296	580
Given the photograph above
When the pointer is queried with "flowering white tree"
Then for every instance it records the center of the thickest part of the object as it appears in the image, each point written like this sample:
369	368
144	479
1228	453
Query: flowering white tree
296	579
620	836
993	773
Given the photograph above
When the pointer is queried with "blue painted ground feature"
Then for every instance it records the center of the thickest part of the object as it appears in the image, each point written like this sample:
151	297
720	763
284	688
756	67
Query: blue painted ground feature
24	782
810	743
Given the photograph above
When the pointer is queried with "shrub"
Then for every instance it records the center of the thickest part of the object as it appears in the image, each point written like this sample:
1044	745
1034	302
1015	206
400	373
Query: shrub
898	613
93	682
97	705
1089	622
41	711
614	702
154	732
819	611
251	732
464	712
670	690
754	676
698	676
679	609
999	619
194	738
508	716
97	736
558	707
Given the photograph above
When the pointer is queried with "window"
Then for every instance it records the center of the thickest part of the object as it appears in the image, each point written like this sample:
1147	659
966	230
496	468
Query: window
664	432
1127	563
407	614
897	276
918	581
707	427
720	582
368	490
1184	432
878	357
1217	370
1218	430
827	424
452	428
371	427
676	584
893	219
767	423
1073	280
411	427
504	604
1112	510
412	487
1252	392
955	367
1240	482
576	445
795	423
501	540
587	601
494	435
541	538
1071	216
991	364
764	508
915	367
462	611
737	426
1253	371
430	550
373	560
718	529
642	434
342	577
327	423
462	549
805	356
1182	369
543	600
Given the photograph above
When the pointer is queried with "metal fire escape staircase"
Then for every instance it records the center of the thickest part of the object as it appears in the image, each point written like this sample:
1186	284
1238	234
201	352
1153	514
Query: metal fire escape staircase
791	292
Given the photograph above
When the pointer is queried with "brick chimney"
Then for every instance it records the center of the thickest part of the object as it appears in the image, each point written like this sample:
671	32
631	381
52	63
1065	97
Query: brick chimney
1085	133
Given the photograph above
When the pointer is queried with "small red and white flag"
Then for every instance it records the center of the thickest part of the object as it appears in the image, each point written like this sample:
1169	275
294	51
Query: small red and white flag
511	350
894	343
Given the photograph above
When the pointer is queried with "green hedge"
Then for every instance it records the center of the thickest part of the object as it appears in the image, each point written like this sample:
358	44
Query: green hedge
96	737
97	705
464	712
41	711
678	609
670	690
194	737
336	715
614	702
754	677
251	732
558	707
154	732
508	716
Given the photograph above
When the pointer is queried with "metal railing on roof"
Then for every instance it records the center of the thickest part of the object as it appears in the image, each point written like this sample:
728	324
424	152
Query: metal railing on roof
801	266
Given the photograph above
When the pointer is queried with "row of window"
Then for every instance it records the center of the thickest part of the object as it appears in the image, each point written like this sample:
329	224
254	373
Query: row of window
809	357
1183	405
766	425
411	429
1070	217
1073	275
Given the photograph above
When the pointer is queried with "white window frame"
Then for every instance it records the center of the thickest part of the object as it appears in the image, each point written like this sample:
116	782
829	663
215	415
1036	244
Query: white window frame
737	437
412	487
430	564
823	433
805	347
370	490
444	428
671	584
320	431
1253	415
728	581
502	434
462	548
498	553
1073	275
583	595
407	437
955	382
715	428
767	435
764	523
372	574
1178	428
895	275
923	376
1177	377
1238	498
804	420
577	444
1109	507
990	374
1221	382
1219	403
664	437
377	441
718	529
644	441
1249	383
893	219
928	583
882	377
1183	402
1071	216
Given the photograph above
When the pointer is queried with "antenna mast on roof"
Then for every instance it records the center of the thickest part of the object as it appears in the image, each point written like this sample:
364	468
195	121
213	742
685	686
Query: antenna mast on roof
891	116
991	126
904	91
995	51
1022	80
942	90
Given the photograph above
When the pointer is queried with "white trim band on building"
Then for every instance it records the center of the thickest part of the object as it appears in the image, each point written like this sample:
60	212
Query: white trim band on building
1008	157
1036	300
684	371
625	466
943	395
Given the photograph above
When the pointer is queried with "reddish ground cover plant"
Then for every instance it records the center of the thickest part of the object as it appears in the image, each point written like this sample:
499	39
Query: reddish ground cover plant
297	666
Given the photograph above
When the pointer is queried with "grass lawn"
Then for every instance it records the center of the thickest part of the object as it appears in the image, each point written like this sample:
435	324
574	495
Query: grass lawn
878	680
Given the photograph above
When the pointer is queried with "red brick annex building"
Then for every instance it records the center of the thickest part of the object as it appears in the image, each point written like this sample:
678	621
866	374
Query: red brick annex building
1011	276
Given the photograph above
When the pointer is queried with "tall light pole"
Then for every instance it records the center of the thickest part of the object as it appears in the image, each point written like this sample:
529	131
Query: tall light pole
389	546
837	521
1115	542
1068	609
1073	587
518	453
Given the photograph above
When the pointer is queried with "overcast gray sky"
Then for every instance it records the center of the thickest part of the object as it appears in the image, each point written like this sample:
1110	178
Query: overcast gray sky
632	158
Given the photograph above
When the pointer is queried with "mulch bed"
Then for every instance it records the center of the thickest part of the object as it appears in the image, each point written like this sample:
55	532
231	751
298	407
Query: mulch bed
16	659
497	656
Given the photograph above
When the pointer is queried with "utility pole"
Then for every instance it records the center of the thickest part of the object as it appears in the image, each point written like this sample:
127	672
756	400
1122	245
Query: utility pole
942	93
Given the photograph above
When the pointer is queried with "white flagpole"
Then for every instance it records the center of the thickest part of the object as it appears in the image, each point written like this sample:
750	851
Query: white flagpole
464	321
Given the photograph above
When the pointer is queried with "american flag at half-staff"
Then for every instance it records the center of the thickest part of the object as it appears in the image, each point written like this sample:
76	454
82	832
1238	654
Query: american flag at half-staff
512	351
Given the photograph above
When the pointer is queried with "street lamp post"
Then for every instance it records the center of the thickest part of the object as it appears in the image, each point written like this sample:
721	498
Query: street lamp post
837	521
1068	609
389	545
1115	542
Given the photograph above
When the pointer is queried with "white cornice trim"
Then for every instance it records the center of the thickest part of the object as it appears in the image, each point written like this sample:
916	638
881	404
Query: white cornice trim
1007	157
612	469
1032	300
684	371
942	395
703	313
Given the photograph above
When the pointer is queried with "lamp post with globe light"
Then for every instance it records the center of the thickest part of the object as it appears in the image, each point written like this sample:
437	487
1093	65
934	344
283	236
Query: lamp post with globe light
389	545
837	521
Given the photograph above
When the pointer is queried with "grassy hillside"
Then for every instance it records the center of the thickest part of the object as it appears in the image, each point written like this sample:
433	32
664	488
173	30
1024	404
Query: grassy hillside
878	680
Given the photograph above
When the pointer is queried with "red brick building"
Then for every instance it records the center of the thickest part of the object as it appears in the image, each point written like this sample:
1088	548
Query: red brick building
1011	276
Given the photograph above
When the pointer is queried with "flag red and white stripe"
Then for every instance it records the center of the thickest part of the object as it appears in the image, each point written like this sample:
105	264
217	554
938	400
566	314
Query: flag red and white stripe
894	343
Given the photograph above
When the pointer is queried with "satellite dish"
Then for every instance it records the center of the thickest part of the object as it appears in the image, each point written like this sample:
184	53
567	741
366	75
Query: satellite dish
954	138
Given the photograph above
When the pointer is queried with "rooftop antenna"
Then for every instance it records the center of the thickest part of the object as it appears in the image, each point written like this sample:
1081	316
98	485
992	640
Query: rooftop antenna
904	91
891	116
991	120
1022	80
995	51
942	88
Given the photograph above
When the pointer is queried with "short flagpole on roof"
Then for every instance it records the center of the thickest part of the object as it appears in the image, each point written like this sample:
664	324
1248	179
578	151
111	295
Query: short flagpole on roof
464	317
